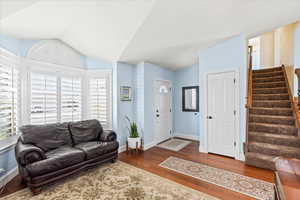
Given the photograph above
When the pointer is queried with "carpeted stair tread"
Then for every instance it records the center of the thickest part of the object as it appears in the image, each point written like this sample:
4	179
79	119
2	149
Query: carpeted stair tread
268	79
270	90
269	85
274	149
260	160
273	128
265	75
283	96
271	111
274	69
278	139
272	103
272	119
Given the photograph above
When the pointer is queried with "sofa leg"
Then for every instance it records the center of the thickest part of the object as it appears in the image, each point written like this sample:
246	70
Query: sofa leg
23	182
36	191
114	160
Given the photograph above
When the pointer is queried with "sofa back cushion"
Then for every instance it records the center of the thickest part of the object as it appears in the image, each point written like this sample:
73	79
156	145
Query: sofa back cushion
85	131
46	137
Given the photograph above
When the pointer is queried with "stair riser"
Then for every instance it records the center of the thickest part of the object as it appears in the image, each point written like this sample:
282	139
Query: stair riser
270	97
268	80
273	91
274	130
273	152
268	104
269	85
269	120
263	71
266	75
271	140
265	164
258	111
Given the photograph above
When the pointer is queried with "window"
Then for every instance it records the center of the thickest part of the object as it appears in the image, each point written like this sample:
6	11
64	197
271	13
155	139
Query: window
43	99
9	97
71	99
99	103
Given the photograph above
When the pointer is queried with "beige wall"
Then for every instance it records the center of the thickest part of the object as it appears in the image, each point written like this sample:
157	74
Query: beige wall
267	50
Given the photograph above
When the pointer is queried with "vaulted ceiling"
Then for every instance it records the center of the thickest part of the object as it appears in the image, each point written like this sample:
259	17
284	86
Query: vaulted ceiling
166	32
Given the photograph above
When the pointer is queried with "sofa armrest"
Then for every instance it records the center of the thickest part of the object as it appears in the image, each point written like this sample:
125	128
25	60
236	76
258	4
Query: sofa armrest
28	153
108	136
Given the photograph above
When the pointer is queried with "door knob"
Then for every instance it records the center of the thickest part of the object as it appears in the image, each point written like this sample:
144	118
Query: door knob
209	117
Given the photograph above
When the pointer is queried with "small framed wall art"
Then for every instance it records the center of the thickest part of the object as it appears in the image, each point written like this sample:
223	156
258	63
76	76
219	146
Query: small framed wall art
125	93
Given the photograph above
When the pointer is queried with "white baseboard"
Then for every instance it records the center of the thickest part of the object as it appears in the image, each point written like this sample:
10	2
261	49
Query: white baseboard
186	136
146	147
149	145
122	148
8	176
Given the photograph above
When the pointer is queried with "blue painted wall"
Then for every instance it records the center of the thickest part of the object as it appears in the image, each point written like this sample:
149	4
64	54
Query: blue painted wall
185	123
125	77
227	55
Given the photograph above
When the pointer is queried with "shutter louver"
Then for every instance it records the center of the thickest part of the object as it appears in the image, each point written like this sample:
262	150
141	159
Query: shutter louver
70	99
98	101
9	102
43	99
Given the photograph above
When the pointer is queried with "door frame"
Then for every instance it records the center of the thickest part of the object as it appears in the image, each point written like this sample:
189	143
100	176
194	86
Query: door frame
154	104
204	146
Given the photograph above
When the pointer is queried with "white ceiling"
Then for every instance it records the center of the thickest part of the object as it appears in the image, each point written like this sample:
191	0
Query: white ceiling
166	32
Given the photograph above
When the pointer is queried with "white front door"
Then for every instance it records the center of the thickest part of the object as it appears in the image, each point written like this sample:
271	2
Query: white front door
221	113
162	110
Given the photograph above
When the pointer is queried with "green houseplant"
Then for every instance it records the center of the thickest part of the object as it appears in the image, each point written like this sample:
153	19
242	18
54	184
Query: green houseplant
133	139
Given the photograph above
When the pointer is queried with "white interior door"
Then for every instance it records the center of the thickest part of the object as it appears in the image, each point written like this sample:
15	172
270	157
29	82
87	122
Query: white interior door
221	113
162	110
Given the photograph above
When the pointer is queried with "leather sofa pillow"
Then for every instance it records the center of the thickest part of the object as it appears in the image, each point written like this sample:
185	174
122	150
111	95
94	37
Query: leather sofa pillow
85	131
46	137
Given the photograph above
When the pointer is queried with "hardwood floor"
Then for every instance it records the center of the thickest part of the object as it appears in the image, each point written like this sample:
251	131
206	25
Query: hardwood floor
150	160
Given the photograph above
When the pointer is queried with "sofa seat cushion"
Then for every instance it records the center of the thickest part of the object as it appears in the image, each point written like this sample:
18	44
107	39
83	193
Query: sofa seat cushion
96	148
56	159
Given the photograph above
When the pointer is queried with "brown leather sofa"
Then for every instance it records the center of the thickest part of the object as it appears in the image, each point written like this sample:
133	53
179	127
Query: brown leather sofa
47	153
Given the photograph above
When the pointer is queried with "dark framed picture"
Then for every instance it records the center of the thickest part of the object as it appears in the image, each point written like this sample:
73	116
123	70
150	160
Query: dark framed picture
190	99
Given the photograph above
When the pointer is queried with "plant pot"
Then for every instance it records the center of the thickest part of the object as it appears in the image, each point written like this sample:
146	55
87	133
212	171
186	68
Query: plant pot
132	142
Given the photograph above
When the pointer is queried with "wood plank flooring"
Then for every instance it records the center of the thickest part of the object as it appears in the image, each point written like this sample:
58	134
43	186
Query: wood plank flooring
150	160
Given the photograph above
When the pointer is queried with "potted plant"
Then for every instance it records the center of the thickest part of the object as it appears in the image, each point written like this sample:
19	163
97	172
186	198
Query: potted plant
134	137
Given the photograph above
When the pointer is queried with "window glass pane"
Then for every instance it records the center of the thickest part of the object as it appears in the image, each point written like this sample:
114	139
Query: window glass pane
9	90
70	99
43	99
98	104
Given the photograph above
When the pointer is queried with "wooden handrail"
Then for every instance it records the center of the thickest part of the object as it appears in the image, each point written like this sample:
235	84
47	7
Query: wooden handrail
294	105
249	74
249	93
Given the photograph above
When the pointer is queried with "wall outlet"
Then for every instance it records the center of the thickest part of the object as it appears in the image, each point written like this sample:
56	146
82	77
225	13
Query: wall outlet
2	171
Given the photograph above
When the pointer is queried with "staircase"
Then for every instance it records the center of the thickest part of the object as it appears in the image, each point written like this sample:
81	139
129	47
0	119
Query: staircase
272	131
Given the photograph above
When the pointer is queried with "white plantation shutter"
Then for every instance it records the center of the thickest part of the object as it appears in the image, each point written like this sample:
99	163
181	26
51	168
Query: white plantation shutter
9	97
99	103
43	99
71	101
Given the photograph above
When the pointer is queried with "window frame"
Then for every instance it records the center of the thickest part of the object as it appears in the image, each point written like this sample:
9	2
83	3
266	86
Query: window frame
13	61
26	66
107	74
